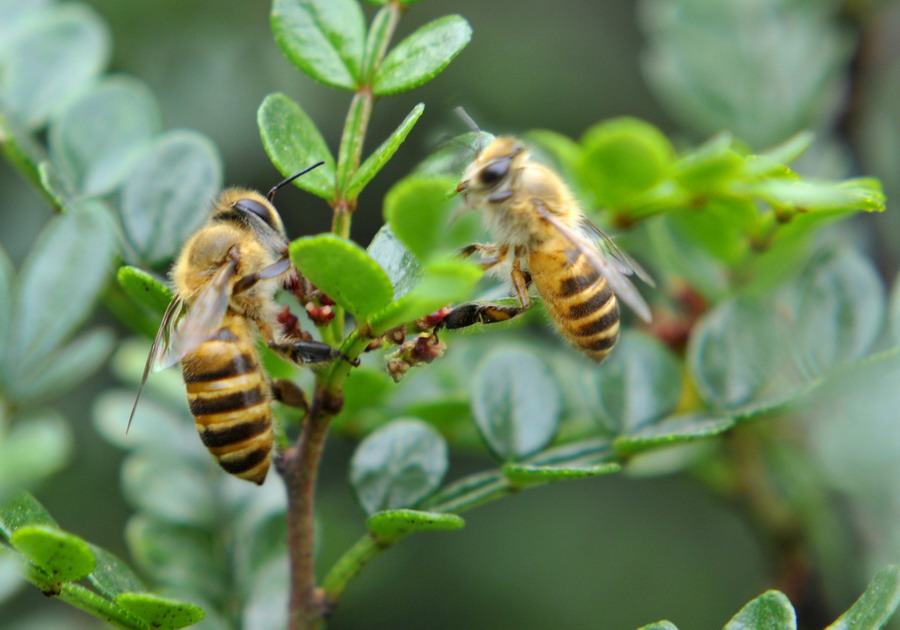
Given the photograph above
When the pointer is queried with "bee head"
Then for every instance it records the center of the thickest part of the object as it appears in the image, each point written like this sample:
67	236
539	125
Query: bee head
489	175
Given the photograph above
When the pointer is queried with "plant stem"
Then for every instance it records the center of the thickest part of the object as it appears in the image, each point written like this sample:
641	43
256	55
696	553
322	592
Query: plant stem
299	468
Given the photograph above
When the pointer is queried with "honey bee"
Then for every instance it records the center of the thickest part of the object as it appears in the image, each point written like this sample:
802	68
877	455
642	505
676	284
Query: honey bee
542	238
225	280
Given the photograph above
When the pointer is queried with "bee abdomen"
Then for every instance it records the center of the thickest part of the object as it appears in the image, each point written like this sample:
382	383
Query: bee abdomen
586	311
229	399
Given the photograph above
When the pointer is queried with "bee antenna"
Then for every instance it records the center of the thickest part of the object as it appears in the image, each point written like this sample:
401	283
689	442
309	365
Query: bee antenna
271	194
472	125
464	115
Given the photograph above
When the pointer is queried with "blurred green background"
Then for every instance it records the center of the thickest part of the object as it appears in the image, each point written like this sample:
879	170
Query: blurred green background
602	553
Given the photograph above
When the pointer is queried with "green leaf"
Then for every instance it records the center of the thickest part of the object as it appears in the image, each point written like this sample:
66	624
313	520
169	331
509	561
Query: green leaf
732	352
364	390
418	210
525	474
876	606
324	38
65	47
721	228
111	576
20	510
391	525
97	140
60	275
166	198
770	610
398	465
637	386
711	167
774	160
65	368
422	55
183	558
293	142
383	153
144	289
160	612
170	487
38	446
673	430
345	272
821	196
398	262
64	556
622	158
516	403
840	309
441	283
659	625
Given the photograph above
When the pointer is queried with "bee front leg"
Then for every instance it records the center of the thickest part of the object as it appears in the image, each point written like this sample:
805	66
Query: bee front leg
491	255
479	313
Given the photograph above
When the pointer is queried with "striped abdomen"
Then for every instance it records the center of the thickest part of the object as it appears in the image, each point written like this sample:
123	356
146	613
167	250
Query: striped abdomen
229	398
579	300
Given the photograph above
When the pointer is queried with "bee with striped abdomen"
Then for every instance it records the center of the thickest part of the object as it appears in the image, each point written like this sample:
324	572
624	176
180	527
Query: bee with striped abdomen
542	238
225	281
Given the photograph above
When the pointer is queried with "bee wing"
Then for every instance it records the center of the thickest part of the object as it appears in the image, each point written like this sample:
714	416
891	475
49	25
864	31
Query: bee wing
202	320
612	263
625	263
173	313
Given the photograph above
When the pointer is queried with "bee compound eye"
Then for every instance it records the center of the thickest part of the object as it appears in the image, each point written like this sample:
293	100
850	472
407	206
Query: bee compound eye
254	207
491	174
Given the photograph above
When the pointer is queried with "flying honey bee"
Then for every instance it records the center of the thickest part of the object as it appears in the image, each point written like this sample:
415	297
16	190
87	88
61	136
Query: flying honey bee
225	281
543	238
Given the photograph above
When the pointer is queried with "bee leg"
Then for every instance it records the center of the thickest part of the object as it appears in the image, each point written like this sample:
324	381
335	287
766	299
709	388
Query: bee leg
250	280
479	313
288	393
491	255
302	352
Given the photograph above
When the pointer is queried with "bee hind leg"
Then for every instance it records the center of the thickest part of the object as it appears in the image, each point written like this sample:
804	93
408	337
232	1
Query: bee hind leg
479	313
302	352
288	393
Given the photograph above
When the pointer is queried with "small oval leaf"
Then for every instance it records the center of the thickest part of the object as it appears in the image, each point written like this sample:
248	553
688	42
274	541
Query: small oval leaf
20	510
161	612
876	606
324	38
729	362
673	431
60	276
398	465
111	576
526	474
391	525
422	55
293	142
167	195
97	140
398	262
772	609
640	384
345	272
380	156
7	280
418	210
64	556
516	404
622	158
65	47
840	310
144	288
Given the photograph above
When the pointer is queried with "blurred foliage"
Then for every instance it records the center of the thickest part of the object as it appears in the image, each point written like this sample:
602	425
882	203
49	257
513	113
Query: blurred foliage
768	375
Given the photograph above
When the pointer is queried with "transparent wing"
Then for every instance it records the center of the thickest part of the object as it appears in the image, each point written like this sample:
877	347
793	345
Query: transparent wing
173	312
625	263
202	320
613	268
